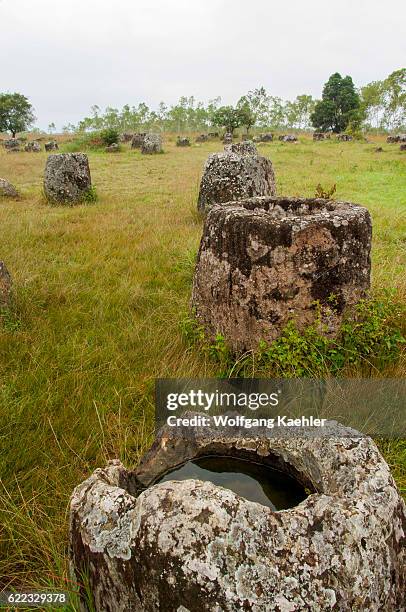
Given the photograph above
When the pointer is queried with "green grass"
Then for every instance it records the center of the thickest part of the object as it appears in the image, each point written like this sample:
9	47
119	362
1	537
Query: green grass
101	293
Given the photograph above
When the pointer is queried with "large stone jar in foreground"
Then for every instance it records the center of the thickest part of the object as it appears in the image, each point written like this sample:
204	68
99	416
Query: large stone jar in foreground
236	174
265	261
192	546
67	178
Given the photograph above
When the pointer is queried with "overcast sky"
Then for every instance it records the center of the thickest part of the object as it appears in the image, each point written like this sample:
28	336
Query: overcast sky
67	56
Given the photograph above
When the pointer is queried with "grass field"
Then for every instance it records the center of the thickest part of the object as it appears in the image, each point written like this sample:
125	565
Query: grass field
100	294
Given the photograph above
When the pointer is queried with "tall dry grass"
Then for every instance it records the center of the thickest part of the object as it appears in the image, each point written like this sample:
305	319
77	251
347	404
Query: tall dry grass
100	293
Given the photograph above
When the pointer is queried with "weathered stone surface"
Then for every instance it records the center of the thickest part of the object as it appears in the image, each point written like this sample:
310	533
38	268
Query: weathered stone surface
236	174
152	144
32	147
113	148
320	136
344	137
5	285
137	140
268	137
288	138
67	178
265	261
183	141
193	546
51	146
126	137
378	150
228	138
246	147
7	190
403	147
11	144
396	138
202	138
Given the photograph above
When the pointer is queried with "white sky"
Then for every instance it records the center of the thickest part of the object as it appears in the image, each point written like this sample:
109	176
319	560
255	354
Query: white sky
66	56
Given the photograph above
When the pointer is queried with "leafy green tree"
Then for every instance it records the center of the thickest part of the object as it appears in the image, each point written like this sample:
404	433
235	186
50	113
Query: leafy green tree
394	93
16	113
178	117
372	102
246	113
111	118
299	111
227	117
212	106
259	102
339	106
69	128
277	112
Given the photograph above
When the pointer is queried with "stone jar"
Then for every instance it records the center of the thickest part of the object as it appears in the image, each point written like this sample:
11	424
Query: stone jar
288	138
236	174
268	137
193	546
51	146
320	136
67	178
183	141
7	190
32	147
12	143
137	140
344	137
152	144
265	261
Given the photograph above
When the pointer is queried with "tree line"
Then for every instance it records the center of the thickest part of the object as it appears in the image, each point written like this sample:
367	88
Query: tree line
379	105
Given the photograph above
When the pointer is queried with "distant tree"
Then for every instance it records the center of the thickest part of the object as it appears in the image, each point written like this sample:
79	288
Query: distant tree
211	108
246	113
111	118
299	111
277	112
51	128
259	102
227	117
394	94
372	102
201	117
16	113
178	117
339	106
162	114
69	128
143	114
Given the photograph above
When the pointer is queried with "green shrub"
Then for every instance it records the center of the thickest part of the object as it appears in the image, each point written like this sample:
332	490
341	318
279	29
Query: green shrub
85	141
90	196
371	339
109	136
